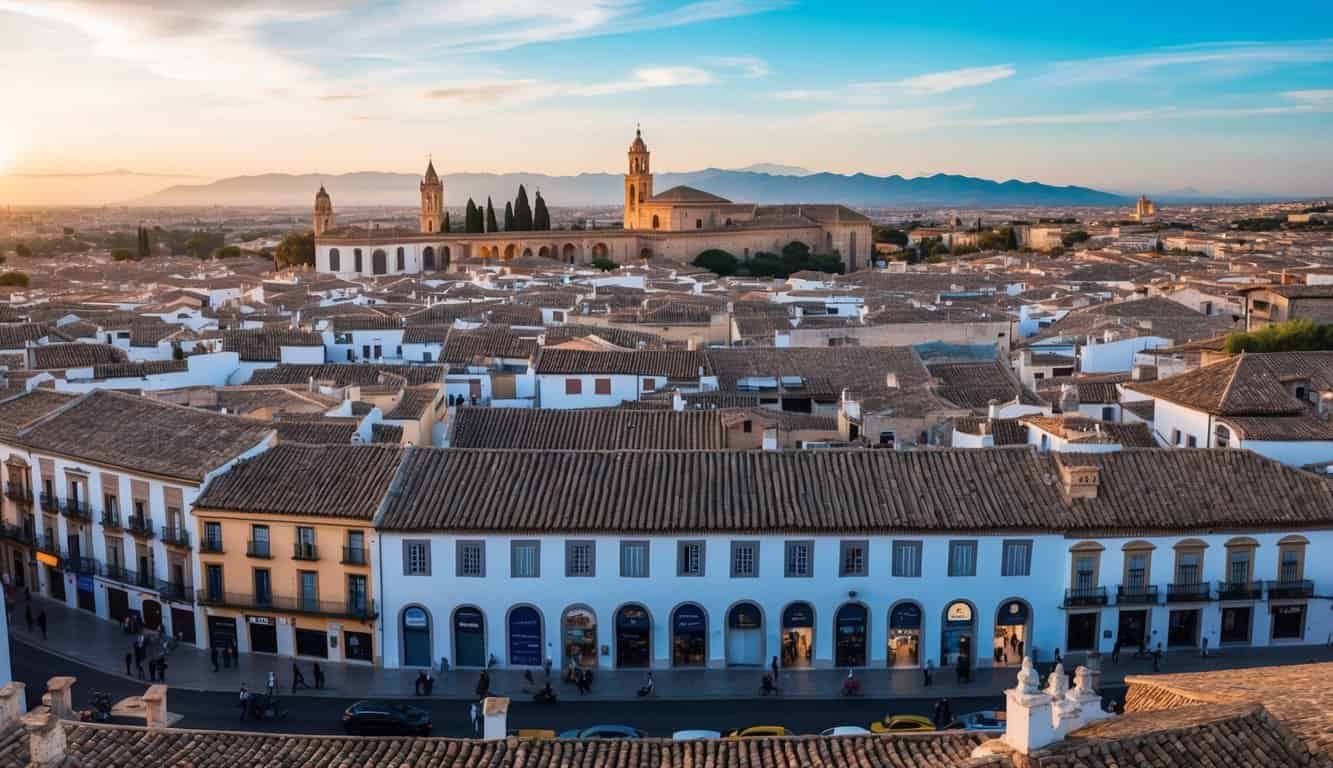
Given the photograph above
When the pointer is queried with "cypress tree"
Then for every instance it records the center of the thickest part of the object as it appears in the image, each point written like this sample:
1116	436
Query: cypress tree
470	216
541	218
509	216
491	226
444	225
522	211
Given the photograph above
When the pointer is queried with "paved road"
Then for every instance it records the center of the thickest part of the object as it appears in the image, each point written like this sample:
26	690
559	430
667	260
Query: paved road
218	710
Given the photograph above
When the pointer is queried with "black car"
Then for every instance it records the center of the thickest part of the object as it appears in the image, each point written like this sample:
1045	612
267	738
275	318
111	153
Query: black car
385	718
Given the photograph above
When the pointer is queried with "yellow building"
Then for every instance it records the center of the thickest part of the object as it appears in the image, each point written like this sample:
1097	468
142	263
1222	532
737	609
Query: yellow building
286	548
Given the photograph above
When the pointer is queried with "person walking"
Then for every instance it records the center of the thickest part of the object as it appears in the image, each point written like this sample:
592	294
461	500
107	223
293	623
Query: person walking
430	682
474	715
1157	658
298	679
319	677
138	658
546	667
27	615
483	685
1115	651
419	684
162	669
926	673
213	657
1203	648
245	701
773	668
946	714
938	716
272	683
129	660
41	623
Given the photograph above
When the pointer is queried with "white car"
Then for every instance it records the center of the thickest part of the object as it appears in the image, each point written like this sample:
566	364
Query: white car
695	735
844	730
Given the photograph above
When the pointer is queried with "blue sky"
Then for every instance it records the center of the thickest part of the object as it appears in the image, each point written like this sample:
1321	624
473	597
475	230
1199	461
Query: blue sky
1223	97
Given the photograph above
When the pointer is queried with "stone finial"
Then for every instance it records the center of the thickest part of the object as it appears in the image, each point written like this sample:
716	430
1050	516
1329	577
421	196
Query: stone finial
1028	714
1029	682
46	738
155	707
59	696
1083	681
1058	684
1086	697
12	704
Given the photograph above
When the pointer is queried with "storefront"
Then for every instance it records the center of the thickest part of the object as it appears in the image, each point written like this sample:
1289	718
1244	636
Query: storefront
1012	627
1132	629
689	636
87	596
416	638
1082	631
263	634
117	604
469	637
905	635
1288	622
1182	629
358	646
312	642
634	632
525	637
958	635
579	626
222	632
745	636
850	631
1236	621
55	582
798	635
152	614
182	625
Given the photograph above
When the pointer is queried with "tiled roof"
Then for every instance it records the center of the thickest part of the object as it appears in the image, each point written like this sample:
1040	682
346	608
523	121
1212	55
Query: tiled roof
621	337
316	431
119	430
386	433
294	479
367	322
18	411
76	355
15	335
426	334
586	429
684	194
673	364
1081	429
139	370
1281	428
974	385
1004	431
468	346
264	345
343	374
413	404
1245	385
862	370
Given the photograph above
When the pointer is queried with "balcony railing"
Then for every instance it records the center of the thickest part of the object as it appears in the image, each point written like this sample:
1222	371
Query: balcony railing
126	576
364	610
305	551
19	493
50	503
258	549
1136	594
211	546
1240	590
76	509
176	536
355	556
174	590
1188	592
140	526
85	565
47	544
1085	596
18	533
110	519
1285	590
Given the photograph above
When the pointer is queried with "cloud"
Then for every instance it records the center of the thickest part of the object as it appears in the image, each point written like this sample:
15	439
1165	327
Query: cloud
750	67
645	78
880	92
1322	97
482	93
1227	59
943	82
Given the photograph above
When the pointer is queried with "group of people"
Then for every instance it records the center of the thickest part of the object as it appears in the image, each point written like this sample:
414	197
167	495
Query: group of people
139	651
228	653
41	618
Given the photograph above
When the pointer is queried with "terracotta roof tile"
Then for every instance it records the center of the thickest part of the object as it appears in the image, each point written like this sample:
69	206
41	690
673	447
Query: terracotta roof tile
586	429
295	479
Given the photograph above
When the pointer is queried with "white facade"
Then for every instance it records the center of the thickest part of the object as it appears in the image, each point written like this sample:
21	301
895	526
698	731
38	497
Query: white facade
400	258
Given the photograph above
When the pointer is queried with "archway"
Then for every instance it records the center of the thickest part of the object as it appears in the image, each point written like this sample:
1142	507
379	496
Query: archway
634	637
600	251
428	258
850	628
958	635
379	262
469	637
400	260
745	636
798	635
357	266
415	629
578	627
511	251
656	222
335	260
544	252
689	636
568	253
1013	630
151	613
525	637
905	634
645	254
527	253
445	257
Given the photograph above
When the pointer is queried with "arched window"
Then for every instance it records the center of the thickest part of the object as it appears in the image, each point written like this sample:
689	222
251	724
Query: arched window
1223	436
578	628
402	259
798	635
525	637
416	637
469	637
356	260
379	262
634	633
656	222
849	636
745	636
335	260
631	197
428	259
689	636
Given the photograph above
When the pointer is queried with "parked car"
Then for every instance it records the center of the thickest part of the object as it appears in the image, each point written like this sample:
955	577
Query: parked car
604	732
370	717
986	721
844	730
694	735
902	724
758	731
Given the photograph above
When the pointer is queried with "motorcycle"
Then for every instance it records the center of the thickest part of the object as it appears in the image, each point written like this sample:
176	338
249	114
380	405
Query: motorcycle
99	708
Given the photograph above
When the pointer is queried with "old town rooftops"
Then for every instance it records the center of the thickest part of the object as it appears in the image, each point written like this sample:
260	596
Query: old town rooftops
1246	384
587	428
663	491
295	479
673	364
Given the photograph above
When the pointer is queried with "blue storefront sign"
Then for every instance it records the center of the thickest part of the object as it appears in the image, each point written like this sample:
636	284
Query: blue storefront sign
906	616
85	583
525	637
689	620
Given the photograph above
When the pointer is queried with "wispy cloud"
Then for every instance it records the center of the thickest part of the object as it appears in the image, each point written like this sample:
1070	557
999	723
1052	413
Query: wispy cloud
1231	59
943	82
749	66
1318	97
482	93
648	77
883	91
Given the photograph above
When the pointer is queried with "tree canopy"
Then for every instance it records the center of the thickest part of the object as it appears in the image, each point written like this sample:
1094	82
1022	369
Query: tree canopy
522	211
491	225
603	263
1291	336
19	279
541	217
1071	239
296	249
509	215
717	261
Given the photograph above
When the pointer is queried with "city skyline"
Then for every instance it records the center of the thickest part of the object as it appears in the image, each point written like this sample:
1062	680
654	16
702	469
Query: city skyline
203	92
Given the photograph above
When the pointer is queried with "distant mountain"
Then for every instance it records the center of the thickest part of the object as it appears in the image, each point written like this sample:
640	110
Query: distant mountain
774	169
400	189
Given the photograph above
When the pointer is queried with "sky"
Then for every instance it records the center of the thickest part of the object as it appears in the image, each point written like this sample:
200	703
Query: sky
1221	97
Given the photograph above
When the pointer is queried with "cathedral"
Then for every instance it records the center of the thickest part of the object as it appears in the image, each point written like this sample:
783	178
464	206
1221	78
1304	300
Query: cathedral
673	226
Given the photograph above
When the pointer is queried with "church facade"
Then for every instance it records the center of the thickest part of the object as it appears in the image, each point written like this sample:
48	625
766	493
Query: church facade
673	226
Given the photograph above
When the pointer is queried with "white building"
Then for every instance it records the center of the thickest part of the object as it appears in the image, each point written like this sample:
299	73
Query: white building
572	378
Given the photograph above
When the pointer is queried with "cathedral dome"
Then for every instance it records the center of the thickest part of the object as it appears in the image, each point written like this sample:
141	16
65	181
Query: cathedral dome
638	145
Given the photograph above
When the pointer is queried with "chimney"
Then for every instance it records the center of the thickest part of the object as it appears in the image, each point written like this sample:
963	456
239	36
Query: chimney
1325	404
891	380
12	704
1143	372
155	706
1068	398
46	738
1080	481
495	710
993	409
59	697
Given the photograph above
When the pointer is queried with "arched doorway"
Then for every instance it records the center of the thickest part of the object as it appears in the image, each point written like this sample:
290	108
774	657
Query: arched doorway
958	634
335	260
656	221
400	259
152	613
579	629
634	637
745	636
525	637
798	635
568	253
600	251
469	637
511	251
445	256
527	253
416	637
544	252
905	635
850	628
645	253
379	262
689	636
1012	620
428	258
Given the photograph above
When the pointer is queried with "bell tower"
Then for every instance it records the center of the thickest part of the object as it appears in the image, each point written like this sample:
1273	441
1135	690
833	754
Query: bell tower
432	200
638	182
323	212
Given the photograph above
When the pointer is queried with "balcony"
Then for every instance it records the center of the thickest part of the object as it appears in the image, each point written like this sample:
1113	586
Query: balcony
84	565
1136	594
76	509
1081	596
173	590
175	536
18	533
1287	590
362	610
47	544
1189	592
140	526
1240	590
125	576
50	503
258	549
211	546
305	551
19	493
110	519
355	556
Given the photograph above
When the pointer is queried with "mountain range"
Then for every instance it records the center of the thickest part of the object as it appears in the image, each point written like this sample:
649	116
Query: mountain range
785	184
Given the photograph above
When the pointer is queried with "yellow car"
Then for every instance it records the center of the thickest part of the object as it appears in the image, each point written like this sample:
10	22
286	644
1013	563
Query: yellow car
902	724
758	731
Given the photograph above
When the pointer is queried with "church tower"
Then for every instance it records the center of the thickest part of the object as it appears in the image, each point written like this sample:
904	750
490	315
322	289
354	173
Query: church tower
432	200
323	212
638	182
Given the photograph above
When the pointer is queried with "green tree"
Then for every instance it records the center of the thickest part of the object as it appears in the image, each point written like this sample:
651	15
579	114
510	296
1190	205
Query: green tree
717	261
603	263
491	226
1291	336
1010	239
522	211
143	246
23	251
122	254
509	216
470	217
228	252
890	235
19	279
541	218
295	249
444	225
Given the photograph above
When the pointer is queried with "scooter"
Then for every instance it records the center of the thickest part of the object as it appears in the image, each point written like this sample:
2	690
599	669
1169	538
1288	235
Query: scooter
99	708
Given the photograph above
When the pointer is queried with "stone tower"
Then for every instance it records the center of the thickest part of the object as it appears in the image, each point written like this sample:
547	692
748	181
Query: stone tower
323	212
432	200
638	182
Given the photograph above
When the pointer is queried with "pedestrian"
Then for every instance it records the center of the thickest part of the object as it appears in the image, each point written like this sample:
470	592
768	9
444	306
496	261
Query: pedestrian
1058	659
964	669
1020	651
474	714
245	701
419	685
546	667
926	673
27	615
152	670
483	685
129	659
938	716
235	657
272	683
41	623
138	662
162	669
946	714
430	682
1115	651
319	677
213	657
298	679
1204	648
773	665
1157	658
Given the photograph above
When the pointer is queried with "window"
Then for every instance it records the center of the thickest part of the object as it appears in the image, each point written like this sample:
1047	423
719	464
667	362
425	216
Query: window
1136	569
525	559
307	585
213	579
263	586
962	558
747	427
887	439
335	261
1290	564
690	558
1301	393
1085	572
698	223
112	506
601	386
649	385
1238	565
416	557
212	537
744	559
1108	413
401	260
1191	442
853	558
800	559
305	542
356	259
471	559
259	541
634	559
356	595
573	386
579	558
356	548
1016	559
1175	437
1223	435
907	559
1189	568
